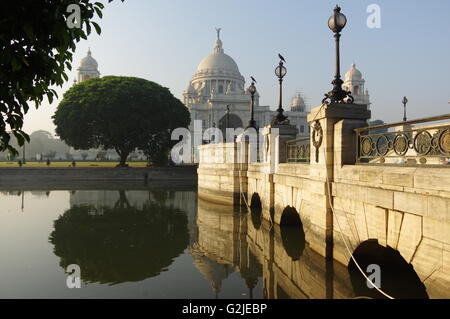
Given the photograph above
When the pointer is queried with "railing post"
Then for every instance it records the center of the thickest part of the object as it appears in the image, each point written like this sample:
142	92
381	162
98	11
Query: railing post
333	142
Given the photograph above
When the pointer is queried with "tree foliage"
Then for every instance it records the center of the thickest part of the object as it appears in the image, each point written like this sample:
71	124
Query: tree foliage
37	46
121	113
120	244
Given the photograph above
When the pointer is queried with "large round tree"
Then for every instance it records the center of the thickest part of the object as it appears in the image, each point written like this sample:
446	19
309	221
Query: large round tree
120	113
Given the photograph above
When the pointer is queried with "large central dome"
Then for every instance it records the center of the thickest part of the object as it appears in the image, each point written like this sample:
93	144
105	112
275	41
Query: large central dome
218	64
218	61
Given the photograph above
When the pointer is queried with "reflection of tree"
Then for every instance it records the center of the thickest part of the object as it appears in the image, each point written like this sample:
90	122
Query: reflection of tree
122	202
121	244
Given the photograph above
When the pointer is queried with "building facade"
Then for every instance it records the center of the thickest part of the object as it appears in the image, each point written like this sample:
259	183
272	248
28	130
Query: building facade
354	82
218	87
88	68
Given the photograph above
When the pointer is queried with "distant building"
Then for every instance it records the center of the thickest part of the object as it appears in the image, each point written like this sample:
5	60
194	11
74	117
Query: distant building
354	82
88	68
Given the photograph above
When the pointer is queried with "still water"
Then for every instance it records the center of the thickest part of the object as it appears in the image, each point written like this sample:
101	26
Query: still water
153	243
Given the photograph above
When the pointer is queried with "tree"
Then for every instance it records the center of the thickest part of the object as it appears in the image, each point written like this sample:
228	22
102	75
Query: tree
37	41
50	155
157	147
101	155
120	244
84	155
122	113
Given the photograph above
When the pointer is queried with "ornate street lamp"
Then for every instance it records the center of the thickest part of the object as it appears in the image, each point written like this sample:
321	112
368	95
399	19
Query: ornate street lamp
252	91
280	72
404	101
227	113
336	23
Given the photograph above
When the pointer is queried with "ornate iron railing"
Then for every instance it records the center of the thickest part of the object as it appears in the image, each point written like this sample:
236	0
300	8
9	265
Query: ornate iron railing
298	150
403	143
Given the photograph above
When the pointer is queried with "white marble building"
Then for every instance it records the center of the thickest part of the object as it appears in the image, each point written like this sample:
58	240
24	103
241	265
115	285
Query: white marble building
217	83
354	82
88	68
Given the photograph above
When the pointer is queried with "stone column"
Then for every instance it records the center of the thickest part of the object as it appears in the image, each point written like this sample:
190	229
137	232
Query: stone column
333	144
285	133
242	160
275	153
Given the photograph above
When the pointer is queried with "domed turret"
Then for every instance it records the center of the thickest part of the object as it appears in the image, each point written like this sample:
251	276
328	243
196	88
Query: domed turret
298	103
88	68
88	62
353	74
355	83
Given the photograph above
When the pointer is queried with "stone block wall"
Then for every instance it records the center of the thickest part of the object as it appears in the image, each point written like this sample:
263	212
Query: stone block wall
405	208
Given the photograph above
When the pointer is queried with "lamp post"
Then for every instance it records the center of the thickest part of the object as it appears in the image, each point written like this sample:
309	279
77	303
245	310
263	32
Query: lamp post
252	122
336	23
227	113
252	91
404	101
280	72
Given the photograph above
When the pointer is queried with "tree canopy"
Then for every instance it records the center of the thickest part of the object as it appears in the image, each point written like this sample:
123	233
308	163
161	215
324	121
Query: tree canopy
37	43
122	243
121	113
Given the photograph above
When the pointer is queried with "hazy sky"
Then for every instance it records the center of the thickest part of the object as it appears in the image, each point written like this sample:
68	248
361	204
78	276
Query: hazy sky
165	40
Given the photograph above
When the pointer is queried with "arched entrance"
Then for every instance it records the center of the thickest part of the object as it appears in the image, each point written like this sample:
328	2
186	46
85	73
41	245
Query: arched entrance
229	121
292	233
397	277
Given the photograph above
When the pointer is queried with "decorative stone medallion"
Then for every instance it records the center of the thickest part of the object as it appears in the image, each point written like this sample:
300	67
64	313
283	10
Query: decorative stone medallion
317	138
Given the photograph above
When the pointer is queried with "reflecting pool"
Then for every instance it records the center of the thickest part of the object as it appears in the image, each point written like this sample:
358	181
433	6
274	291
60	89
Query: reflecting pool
156	243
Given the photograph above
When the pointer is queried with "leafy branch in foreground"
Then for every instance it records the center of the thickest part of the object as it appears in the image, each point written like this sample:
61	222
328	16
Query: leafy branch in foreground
37	47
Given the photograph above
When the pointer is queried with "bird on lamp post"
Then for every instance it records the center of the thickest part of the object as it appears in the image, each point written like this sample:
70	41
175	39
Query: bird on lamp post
280	72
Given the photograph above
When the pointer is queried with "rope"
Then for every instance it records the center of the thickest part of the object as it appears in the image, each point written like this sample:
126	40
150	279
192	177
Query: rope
248	206
339	226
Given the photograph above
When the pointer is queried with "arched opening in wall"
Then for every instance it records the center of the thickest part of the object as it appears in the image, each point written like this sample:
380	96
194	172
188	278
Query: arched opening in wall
292	233
396	276
256	210
231	121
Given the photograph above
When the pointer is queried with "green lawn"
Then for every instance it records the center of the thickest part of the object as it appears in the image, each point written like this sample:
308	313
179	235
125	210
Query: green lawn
67	164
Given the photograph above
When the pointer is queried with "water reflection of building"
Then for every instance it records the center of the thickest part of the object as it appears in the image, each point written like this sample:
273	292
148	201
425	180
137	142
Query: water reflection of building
229	241
221	246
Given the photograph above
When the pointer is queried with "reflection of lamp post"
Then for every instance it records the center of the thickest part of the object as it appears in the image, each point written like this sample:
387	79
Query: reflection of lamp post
404	101
280	72
336	23
252	91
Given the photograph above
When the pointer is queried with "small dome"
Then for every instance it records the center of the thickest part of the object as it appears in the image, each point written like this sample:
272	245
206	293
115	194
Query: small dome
353	74
88	62
298	103
190	90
